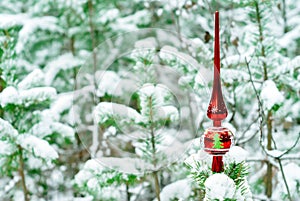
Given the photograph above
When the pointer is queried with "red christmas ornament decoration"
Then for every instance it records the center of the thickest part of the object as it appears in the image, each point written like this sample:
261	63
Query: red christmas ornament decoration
217	110
217	139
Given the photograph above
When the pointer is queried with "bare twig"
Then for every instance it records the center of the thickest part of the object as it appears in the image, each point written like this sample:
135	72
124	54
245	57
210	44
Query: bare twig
260	106
245	131
22	175
261	114
284	180
246	140
291	148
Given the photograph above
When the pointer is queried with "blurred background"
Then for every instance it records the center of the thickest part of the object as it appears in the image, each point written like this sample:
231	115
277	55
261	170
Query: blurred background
55	120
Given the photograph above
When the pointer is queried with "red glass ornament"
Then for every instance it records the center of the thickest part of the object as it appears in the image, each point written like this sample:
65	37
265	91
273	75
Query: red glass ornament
217	110
217	140
217	164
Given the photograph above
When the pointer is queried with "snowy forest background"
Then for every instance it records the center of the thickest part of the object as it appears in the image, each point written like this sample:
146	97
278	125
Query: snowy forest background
62	139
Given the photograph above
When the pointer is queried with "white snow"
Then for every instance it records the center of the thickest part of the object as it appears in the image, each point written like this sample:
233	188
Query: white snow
236	154
179	60
108	15
202	21
48	127
7	130
197	158
109	82
197	43
158	94
57	178
89	176
111	131
47	115
6	148
37	95
24	64
36	146
82	176
93	165
27	97
233	75
180	189
106	110
10	20
168	112
87	198
288	39
9	96
126	165
219	186
270	94
275	153
63	62
35	163
169	146
34	79
146	43
129	23
186	80
62	103
291	171
33	24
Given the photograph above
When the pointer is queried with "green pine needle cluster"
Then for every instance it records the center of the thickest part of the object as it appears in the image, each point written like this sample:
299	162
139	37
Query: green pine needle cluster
238	172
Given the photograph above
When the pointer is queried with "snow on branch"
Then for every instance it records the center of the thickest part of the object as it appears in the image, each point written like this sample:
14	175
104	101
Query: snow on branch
9	20
153	99
44	129
11	95
108	83
34	79
37	147
219	186
106	110
37	95
178	190
7	148
31	25
6	129
270	95
63	62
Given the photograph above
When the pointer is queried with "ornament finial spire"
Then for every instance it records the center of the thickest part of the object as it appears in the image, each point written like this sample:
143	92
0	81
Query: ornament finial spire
217	139
217	110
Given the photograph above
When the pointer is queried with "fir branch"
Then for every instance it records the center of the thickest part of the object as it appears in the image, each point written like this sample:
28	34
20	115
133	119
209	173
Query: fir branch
238	172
